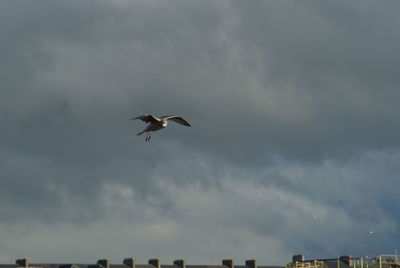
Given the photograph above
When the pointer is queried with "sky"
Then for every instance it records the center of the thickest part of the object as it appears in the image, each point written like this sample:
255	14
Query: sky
293	147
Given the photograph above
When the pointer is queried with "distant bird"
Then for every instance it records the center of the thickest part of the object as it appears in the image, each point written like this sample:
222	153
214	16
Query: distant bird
157	123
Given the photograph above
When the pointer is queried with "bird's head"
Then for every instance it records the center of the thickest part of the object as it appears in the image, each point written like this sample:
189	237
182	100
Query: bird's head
164	123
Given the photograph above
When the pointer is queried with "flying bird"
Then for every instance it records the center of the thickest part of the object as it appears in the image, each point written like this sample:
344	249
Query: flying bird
157	123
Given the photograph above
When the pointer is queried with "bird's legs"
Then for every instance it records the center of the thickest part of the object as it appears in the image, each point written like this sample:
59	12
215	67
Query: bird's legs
148	137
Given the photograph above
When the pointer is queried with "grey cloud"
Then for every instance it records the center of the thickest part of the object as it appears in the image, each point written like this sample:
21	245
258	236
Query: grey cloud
293	107
229	64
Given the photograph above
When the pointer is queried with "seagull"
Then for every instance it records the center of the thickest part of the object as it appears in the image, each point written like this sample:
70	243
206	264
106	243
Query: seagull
157	123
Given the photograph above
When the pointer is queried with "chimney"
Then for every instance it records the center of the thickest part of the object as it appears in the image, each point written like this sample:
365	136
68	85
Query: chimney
22	262
130	262
180	263
229	263
104	262
298	258
155	262
251	263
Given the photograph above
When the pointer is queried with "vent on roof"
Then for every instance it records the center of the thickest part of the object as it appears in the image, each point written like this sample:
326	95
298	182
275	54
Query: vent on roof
251	263
180	263
104	262
129	262
22	262
155	262
346	259
229	263
297	258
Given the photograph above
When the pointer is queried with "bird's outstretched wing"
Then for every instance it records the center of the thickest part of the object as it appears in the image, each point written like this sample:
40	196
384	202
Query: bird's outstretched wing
176	119
147	118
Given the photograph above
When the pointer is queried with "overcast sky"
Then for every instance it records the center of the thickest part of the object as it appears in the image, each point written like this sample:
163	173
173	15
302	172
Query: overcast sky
294	146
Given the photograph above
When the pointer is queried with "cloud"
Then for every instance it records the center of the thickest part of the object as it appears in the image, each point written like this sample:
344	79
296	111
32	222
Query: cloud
293	147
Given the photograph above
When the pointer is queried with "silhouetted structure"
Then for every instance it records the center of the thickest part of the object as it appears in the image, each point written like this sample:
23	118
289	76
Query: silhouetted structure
131	263
380	261
298	261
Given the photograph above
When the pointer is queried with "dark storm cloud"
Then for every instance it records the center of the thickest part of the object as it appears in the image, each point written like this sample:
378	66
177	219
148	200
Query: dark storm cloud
333	59
300	87
294	137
